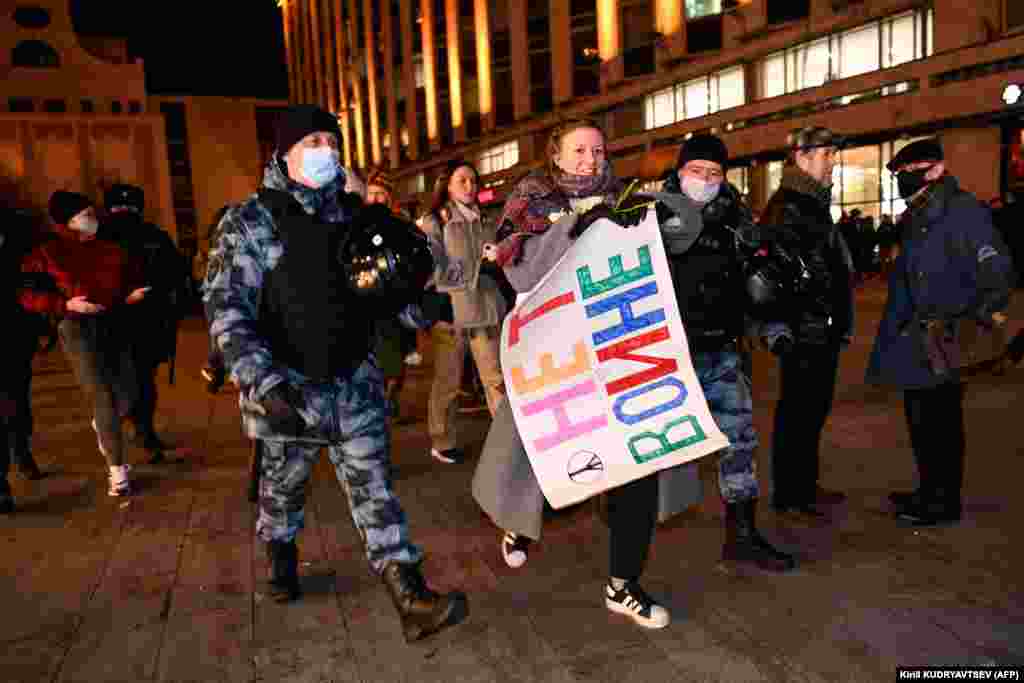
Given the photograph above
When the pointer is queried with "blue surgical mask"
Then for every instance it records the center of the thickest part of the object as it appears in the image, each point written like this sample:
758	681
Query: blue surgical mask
320	165
699	190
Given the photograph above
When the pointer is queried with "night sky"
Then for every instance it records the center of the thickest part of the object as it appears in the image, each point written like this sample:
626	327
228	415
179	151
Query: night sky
216	47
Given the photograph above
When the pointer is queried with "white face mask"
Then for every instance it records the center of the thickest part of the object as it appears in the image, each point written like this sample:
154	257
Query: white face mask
699	190
86	226
320	165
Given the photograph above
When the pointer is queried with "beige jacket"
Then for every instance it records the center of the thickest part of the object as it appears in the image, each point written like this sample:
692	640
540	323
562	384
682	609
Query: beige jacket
458	247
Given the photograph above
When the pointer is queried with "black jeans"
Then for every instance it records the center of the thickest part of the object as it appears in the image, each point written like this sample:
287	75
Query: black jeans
632	513
935	420
808	382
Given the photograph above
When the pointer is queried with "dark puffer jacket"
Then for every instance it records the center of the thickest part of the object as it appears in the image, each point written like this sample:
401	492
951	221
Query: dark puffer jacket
798	216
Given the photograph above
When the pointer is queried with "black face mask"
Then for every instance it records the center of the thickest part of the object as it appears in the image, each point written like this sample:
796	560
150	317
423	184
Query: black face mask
909	182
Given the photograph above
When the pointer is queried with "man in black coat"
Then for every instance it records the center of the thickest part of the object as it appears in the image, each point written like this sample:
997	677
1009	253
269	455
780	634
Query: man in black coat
815	324
158	316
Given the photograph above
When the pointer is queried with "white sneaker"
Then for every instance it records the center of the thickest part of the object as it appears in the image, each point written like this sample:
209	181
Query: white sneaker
513	549
632	601
414	359
120	484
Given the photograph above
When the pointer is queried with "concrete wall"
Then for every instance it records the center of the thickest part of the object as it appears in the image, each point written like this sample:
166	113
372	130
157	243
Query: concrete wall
81	75
42	153
224	151
973	156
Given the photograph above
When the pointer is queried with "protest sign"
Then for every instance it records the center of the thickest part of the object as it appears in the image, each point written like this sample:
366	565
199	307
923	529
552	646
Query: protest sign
597	368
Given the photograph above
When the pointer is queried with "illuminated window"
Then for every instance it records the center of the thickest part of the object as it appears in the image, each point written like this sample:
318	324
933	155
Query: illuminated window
698	97
499	158
880	44
739	178
696	9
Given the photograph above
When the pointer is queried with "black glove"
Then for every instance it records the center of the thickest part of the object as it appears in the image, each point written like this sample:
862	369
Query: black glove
631	211
594	214
782	345
281	415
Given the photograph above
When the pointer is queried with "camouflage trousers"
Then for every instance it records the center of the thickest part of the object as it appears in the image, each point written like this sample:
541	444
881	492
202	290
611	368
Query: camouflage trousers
727	390
350	418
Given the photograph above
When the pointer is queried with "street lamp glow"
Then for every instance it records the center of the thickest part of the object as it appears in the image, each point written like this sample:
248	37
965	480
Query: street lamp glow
1011	94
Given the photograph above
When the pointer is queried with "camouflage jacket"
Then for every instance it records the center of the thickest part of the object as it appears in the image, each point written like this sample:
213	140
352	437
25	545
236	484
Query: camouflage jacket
249	246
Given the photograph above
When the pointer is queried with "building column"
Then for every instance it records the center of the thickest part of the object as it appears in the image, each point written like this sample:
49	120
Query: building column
405	8
303	51
371	79
452	36
561	50
356	79
390	97
609	42
318	73
341	60
289	50
430	72
522	104
670	23
331	99
482	29
357	115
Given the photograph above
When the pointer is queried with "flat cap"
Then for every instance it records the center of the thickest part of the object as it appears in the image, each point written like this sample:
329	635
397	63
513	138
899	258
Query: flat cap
811	137
929	149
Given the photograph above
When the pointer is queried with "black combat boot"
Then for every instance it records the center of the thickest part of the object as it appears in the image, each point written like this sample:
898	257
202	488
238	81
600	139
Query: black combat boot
26	466
422	610
284	571
743	542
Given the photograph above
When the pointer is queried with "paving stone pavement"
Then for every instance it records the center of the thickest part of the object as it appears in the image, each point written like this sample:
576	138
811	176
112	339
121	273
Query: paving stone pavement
167	586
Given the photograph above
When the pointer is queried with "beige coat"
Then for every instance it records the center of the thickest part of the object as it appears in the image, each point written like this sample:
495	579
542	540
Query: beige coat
458	248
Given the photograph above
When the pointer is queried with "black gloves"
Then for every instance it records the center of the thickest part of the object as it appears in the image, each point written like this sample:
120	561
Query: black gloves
598	212
783	344
279	405
629	213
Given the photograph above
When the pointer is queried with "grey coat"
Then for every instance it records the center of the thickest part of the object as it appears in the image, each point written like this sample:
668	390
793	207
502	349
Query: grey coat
458	247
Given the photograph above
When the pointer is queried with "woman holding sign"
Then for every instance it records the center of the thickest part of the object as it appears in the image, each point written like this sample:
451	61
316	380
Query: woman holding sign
545	213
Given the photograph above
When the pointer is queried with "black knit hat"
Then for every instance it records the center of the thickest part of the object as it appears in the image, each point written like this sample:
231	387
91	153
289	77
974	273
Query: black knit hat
66	205
299	121
922	150
705	147
123	194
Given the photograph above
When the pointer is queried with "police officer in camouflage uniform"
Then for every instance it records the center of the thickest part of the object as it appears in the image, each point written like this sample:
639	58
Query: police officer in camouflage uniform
708	233
156	321
297	342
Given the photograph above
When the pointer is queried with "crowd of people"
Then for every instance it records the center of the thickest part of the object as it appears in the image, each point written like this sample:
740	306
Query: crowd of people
314	331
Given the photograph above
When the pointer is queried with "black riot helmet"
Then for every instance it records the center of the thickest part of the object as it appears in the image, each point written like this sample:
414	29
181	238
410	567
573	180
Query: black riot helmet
387	260
125	196
773	279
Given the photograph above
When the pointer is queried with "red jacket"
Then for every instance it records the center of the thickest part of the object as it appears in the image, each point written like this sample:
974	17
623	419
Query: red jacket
99	270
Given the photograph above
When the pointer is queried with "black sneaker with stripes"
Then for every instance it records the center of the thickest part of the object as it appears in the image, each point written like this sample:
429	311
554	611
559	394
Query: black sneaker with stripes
632	601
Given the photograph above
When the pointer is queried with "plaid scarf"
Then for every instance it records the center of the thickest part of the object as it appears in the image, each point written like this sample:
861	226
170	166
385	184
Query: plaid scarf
539	195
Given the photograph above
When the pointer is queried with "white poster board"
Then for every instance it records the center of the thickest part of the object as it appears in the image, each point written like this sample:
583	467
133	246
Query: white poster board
598	371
